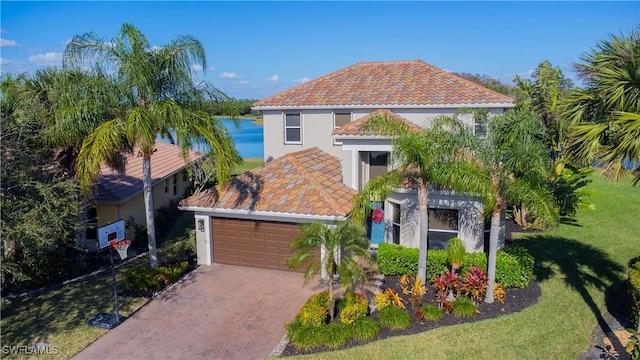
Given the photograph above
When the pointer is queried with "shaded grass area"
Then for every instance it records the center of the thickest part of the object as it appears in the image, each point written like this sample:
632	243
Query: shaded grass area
249	164
58	317
575	266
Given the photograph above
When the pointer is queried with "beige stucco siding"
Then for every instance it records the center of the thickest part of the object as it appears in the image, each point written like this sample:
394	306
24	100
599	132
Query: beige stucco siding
108	213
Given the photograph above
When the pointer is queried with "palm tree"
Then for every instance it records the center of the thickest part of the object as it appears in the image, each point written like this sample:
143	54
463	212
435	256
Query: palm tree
157	94
343	246
414	152
510	165
71	104
606	113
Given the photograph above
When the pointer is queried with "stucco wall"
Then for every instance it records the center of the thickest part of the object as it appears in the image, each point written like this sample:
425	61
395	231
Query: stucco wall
470	221
317	125
108	213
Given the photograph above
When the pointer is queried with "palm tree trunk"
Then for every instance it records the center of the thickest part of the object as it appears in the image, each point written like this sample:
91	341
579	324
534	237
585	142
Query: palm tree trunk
494	236
423	200
148	207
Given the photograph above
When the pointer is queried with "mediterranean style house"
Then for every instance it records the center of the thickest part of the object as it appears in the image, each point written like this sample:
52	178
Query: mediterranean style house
318	155
120	196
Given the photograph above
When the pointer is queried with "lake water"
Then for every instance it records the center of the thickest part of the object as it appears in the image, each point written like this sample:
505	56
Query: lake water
247	137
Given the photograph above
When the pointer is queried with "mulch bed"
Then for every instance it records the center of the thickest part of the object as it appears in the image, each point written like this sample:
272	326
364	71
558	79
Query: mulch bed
515	300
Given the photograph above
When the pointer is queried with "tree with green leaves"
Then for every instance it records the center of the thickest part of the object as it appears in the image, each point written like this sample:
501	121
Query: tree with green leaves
543	96
605	113
510	165
343	247
41	205
157	93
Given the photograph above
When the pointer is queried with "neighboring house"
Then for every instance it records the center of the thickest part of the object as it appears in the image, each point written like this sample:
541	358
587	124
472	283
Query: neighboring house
327	114
120	196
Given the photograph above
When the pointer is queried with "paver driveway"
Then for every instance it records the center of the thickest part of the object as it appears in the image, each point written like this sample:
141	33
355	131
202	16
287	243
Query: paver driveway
218	312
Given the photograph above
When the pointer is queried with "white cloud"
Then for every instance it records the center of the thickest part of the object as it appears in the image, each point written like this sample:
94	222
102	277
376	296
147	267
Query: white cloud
243	82
212	68
229	75
8	65
196	67
47	59
7	43
526	73
274	78
303	80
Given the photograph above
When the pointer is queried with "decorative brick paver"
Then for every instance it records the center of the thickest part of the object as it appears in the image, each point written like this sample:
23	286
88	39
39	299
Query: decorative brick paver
218	312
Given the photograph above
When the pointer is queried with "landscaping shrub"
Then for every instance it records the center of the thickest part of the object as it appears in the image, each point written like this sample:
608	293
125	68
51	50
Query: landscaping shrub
431	312
514	266
474	283
634	290
143	279
463	307
352	307
456	251
397	259
394	317
365	329
382	300
313	315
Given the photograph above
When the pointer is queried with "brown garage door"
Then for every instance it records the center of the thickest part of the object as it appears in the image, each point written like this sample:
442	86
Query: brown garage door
262	244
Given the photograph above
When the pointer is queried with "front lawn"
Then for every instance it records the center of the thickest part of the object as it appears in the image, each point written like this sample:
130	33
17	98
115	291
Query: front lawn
575	265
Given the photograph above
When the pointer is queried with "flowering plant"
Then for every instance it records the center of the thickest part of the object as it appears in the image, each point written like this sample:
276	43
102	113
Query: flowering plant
377	215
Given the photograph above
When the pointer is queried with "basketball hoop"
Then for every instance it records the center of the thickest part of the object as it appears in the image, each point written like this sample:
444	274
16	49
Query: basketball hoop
121	246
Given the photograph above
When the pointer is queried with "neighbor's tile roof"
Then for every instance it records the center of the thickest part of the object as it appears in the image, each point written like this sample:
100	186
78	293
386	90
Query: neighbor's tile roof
356	127
165	161
305	182
385	84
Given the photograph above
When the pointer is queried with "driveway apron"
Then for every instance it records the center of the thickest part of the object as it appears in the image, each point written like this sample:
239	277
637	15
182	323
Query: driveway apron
217	312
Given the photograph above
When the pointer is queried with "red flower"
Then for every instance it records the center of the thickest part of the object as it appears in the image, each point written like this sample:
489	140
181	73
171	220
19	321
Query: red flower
377	215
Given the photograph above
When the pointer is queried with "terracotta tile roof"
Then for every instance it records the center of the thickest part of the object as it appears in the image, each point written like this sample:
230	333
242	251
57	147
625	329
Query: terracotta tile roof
356	127
305	182
165	161
386	84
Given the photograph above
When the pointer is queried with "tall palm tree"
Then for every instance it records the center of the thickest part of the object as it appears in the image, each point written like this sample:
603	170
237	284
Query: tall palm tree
414	152
343	247
606	113
512	164
157	93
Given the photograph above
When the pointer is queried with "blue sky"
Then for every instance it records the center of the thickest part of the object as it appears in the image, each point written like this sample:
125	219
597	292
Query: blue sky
256	49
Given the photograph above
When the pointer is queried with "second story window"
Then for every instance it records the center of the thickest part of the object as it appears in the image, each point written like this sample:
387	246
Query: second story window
340	119
292	128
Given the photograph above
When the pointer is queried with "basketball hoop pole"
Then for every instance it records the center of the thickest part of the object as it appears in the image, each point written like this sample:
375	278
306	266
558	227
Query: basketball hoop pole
115	287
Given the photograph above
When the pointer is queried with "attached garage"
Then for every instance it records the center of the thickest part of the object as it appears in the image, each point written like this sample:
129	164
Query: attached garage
254	243
252	221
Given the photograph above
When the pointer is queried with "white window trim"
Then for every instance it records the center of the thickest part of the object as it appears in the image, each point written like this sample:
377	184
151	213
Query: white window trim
285	127
389	221
335	141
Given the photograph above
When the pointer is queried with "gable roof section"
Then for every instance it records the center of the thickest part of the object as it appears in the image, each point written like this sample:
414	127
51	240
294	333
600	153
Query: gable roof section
387	84
306	182
165	161
356	128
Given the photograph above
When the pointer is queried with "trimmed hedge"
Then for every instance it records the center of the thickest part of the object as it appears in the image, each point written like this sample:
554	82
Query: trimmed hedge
514	266
634	290
397	259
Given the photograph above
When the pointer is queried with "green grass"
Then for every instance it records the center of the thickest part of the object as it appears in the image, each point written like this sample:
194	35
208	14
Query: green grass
58	317
249	164
574	265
